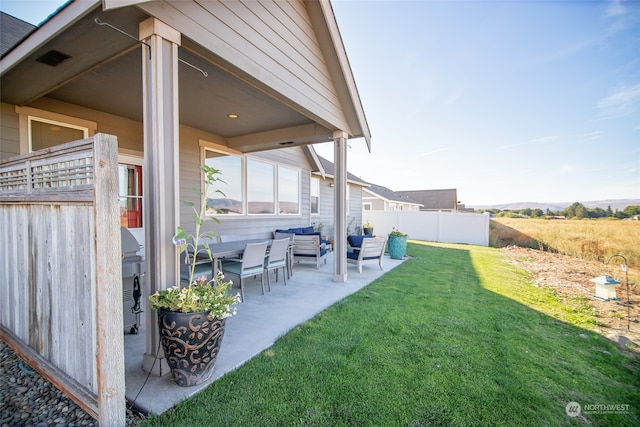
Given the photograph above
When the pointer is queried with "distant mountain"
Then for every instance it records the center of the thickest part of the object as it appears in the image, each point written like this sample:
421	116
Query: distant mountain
616	204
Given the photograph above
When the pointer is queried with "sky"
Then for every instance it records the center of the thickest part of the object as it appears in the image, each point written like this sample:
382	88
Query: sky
503	100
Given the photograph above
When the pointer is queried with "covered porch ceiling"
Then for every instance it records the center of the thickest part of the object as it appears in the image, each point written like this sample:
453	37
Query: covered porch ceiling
104	73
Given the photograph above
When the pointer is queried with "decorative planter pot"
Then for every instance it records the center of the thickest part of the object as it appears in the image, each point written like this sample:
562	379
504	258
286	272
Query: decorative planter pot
397	247
191	342
367	230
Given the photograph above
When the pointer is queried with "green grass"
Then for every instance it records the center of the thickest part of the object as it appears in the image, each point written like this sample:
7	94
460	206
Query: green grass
453	336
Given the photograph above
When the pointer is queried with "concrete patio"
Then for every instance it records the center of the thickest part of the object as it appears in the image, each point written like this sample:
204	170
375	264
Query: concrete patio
260	321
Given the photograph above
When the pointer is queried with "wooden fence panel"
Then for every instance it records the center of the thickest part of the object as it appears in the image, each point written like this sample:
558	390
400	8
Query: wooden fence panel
60	263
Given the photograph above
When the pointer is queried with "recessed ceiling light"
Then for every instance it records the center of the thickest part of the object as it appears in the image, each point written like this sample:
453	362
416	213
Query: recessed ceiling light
232	116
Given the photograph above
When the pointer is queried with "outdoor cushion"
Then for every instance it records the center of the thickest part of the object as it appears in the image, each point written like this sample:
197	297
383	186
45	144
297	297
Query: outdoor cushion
296	230
322	253
308	230
356	241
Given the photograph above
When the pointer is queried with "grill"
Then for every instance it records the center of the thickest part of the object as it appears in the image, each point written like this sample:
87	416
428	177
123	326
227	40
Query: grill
132	276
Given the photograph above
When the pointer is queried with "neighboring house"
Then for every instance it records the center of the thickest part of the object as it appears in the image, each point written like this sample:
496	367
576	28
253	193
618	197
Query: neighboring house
323	179
243	86
434	200
377	197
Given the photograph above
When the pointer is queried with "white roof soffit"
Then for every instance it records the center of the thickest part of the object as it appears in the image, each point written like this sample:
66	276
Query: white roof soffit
70	14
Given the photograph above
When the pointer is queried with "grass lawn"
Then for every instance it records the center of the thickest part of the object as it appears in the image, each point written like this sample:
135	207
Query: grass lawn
453	336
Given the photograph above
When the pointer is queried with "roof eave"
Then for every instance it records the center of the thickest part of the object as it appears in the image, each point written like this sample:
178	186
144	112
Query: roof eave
62	19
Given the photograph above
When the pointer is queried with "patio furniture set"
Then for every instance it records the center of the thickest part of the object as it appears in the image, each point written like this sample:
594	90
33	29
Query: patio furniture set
252	257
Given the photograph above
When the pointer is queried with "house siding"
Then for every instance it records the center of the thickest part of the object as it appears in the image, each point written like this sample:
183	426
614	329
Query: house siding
272	44
9	132
130	137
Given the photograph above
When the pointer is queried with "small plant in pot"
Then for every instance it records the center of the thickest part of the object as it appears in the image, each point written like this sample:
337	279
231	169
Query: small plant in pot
367	228
397	244
192	319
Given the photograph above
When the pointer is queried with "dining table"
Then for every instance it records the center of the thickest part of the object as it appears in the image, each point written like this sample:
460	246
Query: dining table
232	249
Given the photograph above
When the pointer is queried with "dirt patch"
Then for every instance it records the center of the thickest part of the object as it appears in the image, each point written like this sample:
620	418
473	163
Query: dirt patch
570	277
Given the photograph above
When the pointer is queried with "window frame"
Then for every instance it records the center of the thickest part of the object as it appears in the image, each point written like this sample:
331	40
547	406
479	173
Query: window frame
311	180
211	146
28	114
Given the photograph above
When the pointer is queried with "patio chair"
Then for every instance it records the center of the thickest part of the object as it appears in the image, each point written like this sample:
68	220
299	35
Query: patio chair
251	264
306	247
371	251
277	258
290	236
223	238
203	268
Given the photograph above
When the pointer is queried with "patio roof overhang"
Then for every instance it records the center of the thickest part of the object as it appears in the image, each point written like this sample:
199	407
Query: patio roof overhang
104	73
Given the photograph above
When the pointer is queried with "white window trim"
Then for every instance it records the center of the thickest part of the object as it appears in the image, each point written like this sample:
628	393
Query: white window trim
311	178
208	145
27	114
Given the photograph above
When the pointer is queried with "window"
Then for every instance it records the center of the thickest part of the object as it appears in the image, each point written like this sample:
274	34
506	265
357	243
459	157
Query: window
288	191
366	206
260	187
43	129
130	195
48	133
231	201
251	186
315	196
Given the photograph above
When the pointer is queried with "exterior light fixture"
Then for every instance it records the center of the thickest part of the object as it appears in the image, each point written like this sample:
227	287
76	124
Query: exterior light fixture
232	115
605	288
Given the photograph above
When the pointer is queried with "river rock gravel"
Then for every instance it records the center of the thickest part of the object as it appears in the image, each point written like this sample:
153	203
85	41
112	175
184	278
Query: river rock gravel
28	399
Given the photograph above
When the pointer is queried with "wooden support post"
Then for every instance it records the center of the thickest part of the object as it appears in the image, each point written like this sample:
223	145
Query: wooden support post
109	321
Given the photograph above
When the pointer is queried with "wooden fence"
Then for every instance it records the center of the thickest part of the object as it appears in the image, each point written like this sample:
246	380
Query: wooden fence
60	270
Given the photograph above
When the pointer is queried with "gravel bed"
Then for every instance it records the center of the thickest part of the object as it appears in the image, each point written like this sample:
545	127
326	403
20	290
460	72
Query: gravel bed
28	399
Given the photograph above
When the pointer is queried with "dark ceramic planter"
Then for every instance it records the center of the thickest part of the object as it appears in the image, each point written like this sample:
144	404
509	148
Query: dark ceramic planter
191	342
368	230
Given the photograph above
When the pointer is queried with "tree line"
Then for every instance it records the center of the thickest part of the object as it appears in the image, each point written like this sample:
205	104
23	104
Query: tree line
575	211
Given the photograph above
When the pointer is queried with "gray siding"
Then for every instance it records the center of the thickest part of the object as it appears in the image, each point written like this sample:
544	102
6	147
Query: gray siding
9	132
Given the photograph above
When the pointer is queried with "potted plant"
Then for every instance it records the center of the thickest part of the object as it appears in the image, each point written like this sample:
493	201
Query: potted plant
192	319
367	228
397	244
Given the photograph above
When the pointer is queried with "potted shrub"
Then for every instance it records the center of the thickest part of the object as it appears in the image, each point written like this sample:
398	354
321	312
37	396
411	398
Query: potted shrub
192	319
397	244
367	228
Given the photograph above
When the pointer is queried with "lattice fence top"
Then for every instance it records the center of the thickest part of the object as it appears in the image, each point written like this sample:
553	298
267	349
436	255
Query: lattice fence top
60	173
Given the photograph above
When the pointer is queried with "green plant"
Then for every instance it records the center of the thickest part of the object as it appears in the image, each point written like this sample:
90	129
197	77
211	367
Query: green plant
397	233
200	294
318	228
367	224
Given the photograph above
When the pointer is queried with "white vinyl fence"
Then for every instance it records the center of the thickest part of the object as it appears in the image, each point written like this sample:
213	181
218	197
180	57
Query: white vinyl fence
445	227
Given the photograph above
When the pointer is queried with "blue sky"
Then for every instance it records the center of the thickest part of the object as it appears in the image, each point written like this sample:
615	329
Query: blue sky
506	101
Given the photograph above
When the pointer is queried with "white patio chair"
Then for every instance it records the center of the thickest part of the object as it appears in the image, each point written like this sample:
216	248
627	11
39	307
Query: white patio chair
251	264
371	251
276	259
